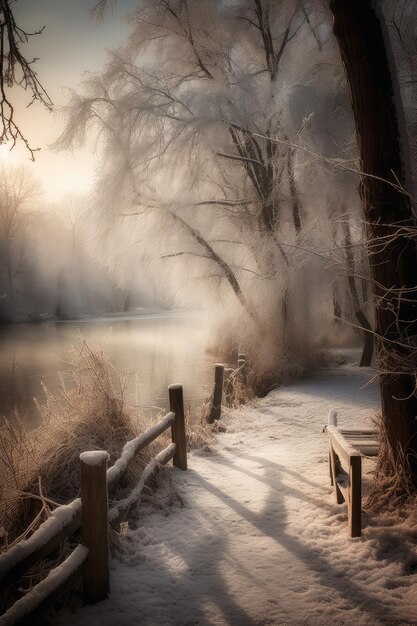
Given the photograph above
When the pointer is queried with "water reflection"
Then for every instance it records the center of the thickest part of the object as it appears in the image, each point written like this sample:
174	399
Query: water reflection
152	351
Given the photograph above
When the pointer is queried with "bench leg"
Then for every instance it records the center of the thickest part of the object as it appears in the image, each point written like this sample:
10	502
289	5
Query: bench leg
355	496
330	468
335	470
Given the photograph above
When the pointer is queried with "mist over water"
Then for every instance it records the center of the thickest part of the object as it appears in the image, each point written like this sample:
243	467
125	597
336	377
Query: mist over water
149	352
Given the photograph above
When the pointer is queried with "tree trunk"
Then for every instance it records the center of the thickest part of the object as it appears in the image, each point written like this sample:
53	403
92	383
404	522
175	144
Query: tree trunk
222	265
386	209
126	300
368	350
337	308
295	201
368	337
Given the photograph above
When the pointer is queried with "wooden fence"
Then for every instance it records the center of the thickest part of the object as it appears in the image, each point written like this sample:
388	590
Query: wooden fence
224	378
91	514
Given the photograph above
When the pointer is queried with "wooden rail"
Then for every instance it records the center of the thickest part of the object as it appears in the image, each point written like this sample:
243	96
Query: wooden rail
91	514
346	449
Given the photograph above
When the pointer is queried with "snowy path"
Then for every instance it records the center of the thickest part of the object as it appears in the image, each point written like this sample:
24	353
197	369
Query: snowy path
260	540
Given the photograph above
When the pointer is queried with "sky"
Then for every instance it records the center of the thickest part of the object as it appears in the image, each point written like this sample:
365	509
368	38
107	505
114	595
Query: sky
71	44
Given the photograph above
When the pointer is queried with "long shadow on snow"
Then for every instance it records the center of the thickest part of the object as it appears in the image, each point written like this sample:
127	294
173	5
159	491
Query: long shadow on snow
275	483
330	576
391	547
268	463
207	580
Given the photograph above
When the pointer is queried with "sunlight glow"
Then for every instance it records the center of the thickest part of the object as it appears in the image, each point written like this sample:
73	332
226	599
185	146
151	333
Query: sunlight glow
6	153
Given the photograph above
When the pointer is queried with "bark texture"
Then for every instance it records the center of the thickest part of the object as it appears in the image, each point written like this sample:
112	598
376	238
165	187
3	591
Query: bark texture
387	211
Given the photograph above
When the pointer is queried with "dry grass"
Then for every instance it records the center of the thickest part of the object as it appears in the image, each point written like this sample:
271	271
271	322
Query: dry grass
391	488
239	387
237	391
39	469
200	435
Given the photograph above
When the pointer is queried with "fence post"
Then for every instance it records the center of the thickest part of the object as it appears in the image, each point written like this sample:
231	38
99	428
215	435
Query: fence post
228	386
242	363
95	531
176	404
355	492
216	408
336	469
332	421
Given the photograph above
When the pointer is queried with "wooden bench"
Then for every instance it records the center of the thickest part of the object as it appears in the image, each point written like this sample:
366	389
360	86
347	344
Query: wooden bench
346	449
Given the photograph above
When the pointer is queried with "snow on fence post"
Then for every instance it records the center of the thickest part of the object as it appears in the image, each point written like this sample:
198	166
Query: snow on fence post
332	419
176	404
95	534
216	407
242	363
228	386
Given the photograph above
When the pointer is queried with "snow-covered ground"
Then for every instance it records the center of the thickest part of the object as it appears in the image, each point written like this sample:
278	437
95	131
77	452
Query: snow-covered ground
260	539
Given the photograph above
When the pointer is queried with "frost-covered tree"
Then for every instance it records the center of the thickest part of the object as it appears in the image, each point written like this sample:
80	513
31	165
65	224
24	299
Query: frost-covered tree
198	117
18	190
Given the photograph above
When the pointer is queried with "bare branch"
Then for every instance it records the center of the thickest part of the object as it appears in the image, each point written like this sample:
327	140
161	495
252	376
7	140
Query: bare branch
234	157
16	70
